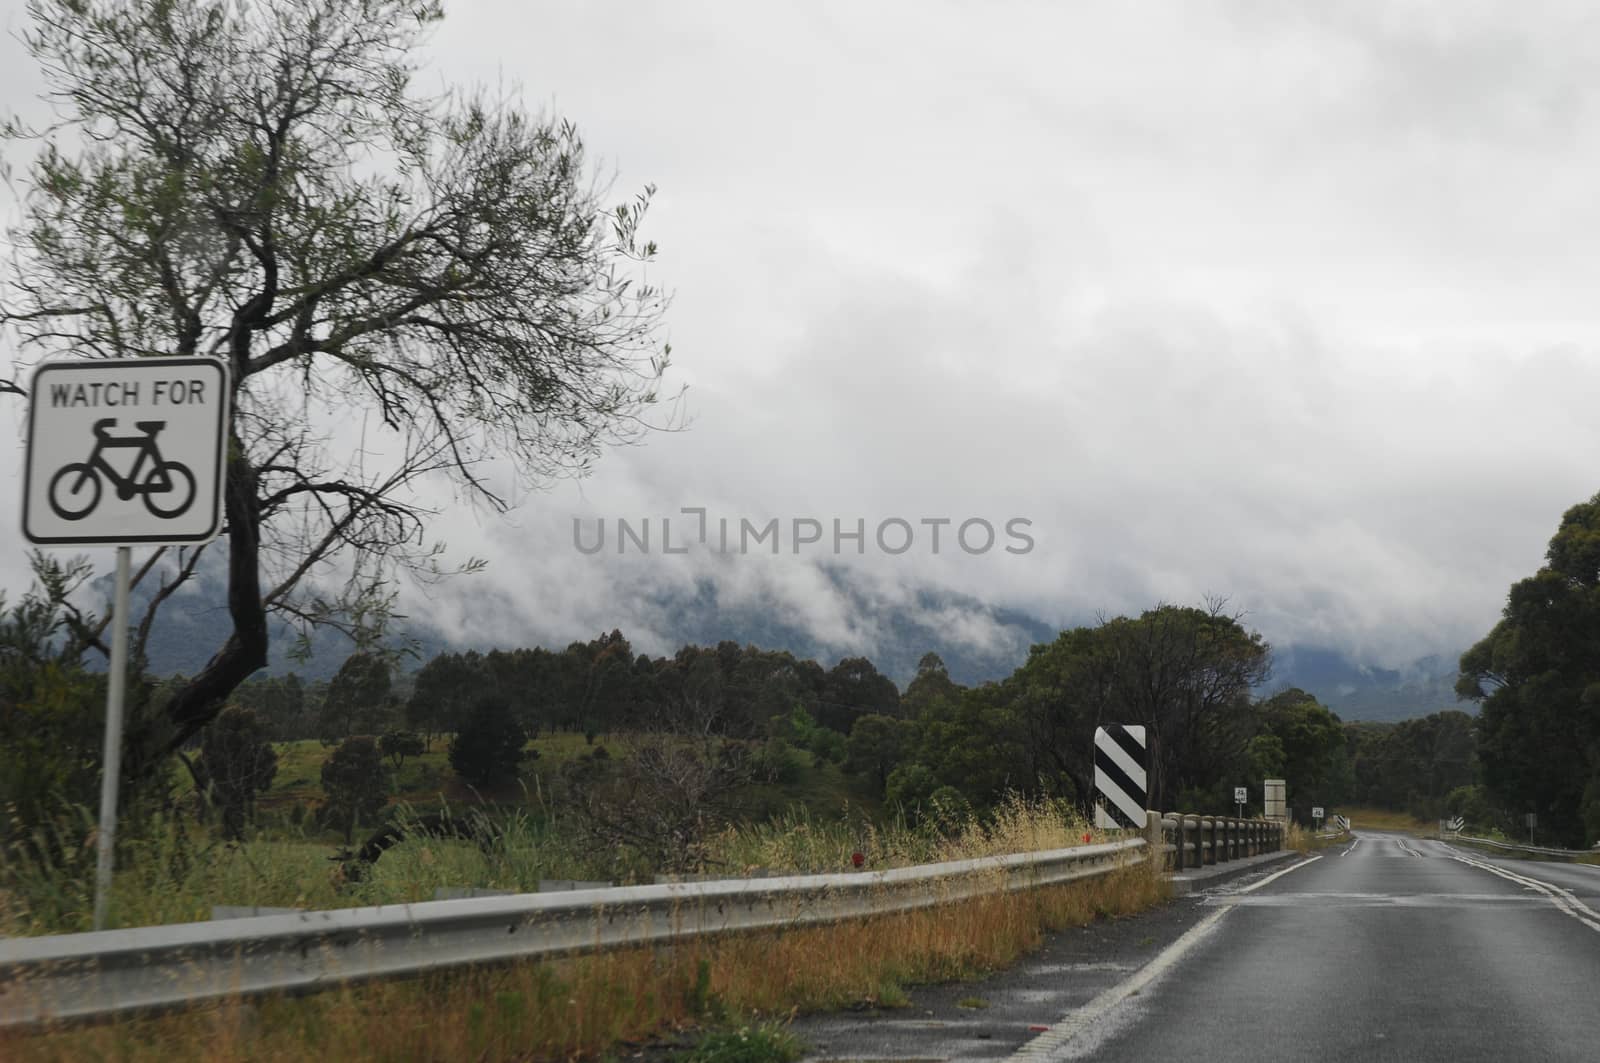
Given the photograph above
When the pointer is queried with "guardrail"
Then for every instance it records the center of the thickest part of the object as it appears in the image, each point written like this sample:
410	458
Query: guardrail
1194	841
111	972
1514	847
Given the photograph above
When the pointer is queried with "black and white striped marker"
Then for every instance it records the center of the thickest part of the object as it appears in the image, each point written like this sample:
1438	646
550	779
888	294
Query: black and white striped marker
1120	776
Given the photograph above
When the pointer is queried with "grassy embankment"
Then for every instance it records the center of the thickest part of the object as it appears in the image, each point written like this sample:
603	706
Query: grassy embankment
590	1004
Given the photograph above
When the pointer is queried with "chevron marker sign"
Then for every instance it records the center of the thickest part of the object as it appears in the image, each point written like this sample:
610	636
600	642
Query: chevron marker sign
1120	773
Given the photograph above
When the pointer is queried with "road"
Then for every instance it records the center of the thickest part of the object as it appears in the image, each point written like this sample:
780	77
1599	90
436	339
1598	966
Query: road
1389	947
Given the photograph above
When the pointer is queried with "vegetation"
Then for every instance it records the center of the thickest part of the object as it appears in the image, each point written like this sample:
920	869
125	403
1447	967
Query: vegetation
585	1005
488	750
355	785
239	763
1537	675
263	184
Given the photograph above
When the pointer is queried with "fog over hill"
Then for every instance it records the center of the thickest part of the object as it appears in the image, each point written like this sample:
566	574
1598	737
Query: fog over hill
978	642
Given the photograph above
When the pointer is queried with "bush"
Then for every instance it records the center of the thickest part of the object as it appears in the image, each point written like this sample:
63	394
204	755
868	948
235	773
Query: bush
398	745
488	749
779	762
356	785
240	762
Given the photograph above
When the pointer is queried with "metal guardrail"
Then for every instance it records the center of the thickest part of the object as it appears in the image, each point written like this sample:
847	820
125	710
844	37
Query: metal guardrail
107	973
1515	847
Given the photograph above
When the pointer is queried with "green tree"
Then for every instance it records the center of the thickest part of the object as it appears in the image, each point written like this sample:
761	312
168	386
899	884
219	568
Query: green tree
1311	744
261	184
356	701
877	745
240	763
398	745
355	785
855	688
51	711
1537	675
489	750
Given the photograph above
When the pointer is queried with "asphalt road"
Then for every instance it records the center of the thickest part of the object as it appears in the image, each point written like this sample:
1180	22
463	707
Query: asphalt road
1386	948
1389	948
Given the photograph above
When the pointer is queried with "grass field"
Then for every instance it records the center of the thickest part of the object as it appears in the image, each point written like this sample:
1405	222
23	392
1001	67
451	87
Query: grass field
1387	819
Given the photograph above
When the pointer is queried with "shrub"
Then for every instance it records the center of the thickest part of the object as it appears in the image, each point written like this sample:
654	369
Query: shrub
488	749
356	785
239	762
398	745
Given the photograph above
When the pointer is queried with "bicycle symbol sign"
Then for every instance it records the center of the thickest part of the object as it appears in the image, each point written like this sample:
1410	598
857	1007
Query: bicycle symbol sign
126	451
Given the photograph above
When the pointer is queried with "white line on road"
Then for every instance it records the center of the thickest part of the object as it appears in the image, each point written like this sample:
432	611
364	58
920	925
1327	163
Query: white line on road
1056	1043
1563	899
1352	848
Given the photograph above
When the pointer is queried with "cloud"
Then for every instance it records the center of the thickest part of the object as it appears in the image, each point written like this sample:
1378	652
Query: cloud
1288	305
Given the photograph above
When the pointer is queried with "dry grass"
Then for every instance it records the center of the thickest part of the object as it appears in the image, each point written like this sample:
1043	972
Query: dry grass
1387	819
584	1006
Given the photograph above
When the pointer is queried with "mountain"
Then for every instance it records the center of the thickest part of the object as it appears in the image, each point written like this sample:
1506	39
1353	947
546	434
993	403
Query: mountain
1362	692
978	642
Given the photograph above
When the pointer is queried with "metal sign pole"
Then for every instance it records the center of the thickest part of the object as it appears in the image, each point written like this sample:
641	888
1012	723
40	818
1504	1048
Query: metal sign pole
111	762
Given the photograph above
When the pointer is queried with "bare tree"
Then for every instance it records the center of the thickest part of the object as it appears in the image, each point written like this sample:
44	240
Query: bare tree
402	287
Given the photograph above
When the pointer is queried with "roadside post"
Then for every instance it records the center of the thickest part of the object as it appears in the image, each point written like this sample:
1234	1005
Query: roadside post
1316	817
1533	821
124	452
1240	795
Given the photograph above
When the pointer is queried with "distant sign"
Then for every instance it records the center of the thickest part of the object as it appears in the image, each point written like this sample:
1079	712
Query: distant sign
1316	811
126	451
1533	819
1274	806
1457	824
1240	795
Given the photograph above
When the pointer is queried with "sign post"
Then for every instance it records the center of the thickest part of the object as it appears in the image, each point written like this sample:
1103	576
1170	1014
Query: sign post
1316	816
122	452
1533	821
1240	795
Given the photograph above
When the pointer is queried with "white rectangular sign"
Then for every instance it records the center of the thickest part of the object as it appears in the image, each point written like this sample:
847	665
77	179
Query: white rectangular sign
1240	795
1274	806
126	451
1316	811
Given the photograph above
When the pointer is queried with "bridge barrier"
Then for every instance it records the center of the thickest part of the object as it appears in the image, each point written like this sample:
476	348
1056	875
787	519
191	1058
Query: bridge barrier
1538	850
140	969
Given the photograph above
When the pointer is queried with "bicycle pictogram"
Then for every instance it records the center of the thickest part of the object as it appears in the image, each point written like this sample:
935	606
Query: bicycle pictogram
168	487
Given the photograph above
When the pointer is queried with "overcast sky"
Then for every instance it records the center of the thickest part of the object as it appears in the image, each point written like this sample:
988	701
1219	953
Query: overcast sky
1292	304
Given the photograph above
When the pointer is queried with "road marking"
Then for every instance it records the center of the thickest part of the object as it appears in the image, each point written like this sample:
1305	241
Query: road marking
1056	1042
1352	848
1563	899
1406	848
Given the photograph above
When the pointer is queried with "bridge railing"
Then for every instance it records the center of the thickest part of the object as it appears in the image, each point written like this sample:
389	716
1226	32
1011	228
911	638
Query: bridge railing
1193	841
1514	847
105	973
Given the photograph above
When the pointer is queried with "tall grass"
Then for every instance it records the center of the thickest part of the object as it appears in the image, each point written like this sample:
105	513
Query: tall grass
586	1005
174	872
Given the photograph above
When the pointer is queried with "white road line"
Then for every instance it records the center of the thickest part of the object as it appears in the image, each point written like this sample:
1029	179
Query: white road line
1563	899
1347	852
1056	1042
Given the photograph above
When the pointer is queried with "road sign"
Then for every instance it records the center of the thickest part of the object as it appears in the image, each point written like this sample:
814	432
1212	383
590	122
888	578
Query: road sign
126	451
1457	824
1316	811
1240	795
1120	787
1274	806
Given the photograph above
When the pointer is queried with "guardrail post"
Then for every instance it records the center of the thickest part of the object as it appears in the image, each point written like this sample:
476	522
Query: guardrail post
1208	835
1155	839
1225	850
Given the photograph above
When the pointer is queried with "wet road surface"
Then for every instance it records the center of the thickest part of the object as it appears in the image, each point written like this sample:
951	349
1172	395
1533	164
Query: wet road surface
1388	947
